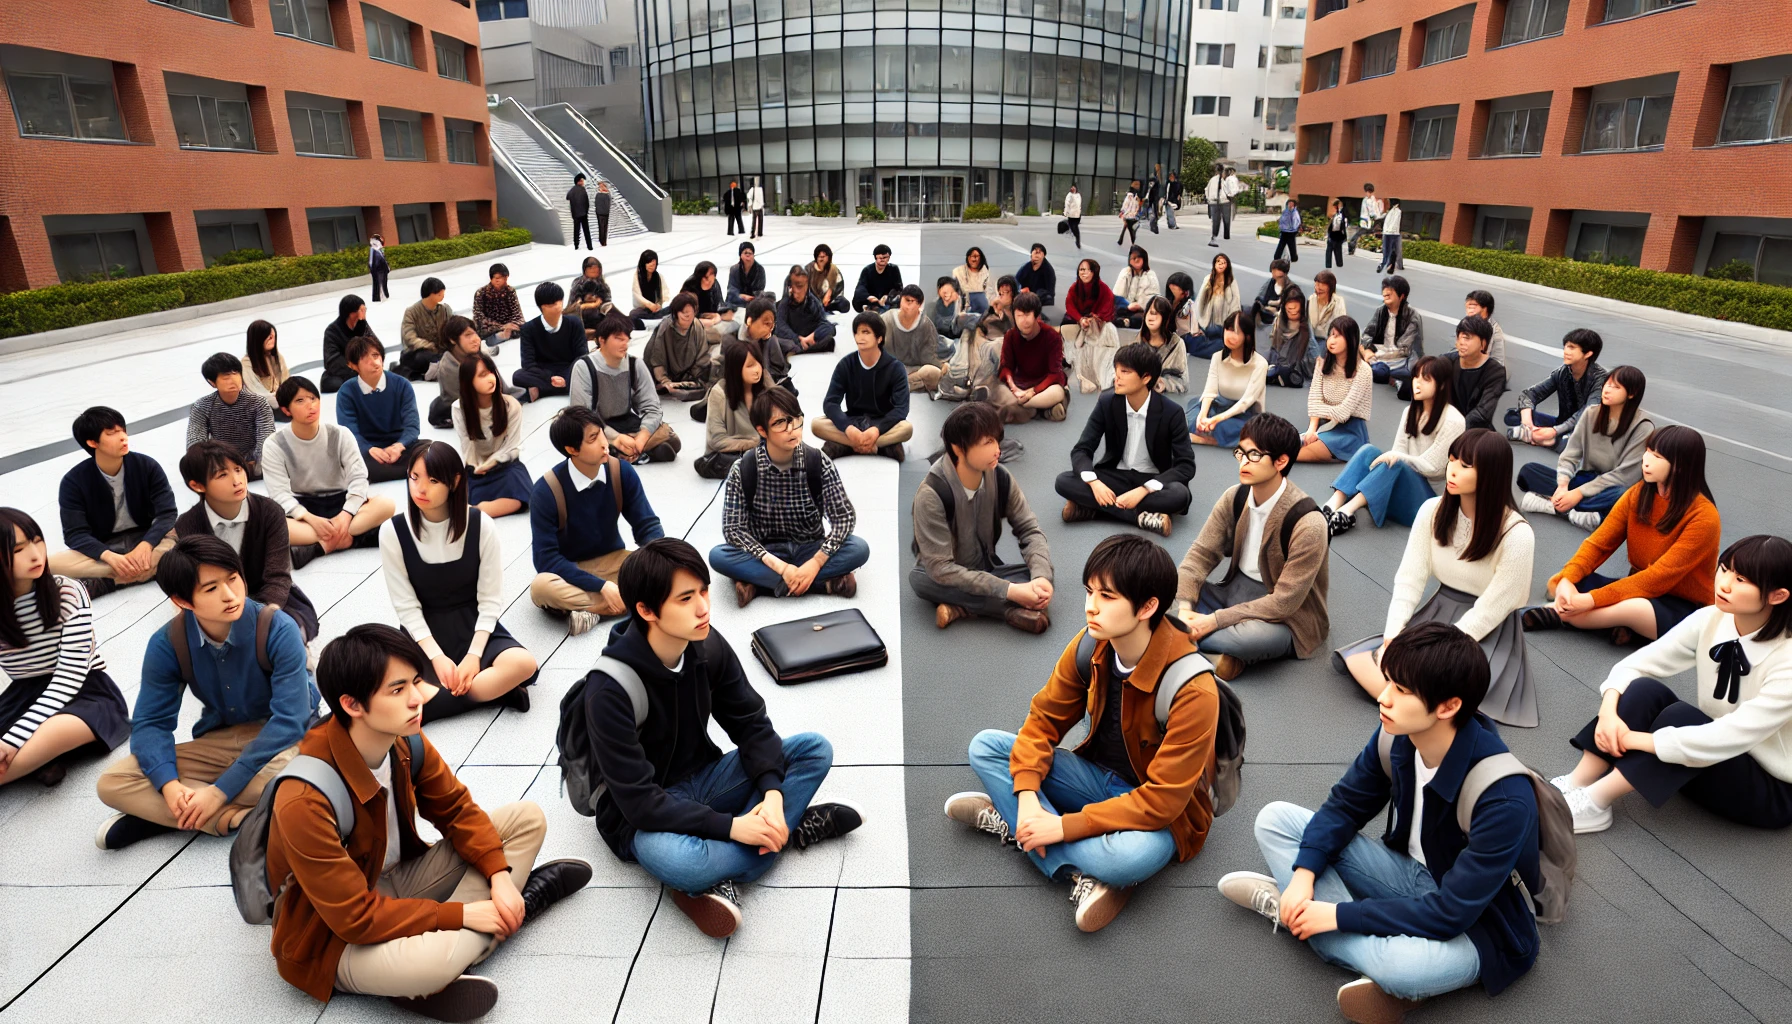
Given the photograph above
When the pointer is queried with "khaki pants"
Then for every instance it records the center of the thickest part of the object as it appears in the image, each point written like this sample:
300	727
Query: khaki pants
924	378
75	565
421	965
824	428
548	590
199	762
662	434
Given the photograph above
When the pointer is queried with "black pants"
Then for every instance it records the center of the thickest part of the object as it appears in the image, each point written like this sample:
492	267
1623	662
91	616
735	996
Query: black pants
581	224
603	230
734	223
1286	238
1334	249
1128	225
414	363
380	290
1076	229
1173	499
758	224
1738	789
541	376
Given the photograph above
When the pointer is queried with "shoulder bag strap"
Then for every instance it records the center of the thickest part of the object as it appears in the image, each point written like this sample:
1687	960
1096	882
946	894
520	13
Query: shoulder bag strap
552	479
1384	747
1175	676
264	621
1085	656
749	476
323	777
415	743
616	482
1485	773
177	638
630	681
944	491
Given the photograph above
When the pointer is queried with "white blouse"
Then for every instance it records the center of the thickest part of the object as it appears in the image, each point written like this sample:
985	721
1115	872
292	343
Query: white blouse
489	449
1500	581
434	547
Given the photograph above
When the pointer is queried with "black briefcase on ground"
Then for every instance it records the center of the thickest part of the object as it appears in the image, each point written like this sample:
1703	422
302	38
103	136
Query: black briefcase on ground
819	646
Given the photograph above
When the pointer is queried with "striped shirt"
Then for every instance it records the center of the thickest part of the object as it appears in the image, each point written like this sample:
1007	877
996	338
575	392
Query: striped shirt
66	653
243	425
783	509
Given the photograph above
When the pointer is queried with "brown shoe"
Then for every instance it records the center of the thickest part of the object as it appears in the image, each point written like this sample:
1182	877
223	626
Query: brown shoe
1155	522
744	592
841	586
1363	1002
946	614
1074	513
1027	620
893	451
715	912
1097	903
1057	412
1227	667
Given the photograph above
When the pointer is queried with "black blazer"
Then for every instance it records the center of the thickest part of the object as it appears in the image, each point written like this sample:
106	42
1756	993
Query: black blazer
1166	438
89	519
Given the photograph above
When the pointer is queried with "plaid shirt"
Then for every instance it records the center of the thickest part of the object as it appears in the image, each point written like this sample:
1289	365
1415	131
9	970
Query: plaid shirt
783	509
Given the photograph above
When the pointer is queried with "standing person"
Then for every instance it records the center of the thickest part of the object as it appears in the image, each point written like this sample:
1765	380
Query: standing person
866	407
649	289
444	571
600	208
264	368
1288	226
1231	189
1154	195
1395	483
973	279
552	343
734	203
729	430
377	266
958	522
1143	478
1602	459
316	474
1480	378
254	526
379	410
1073	214
1335	228
880	283
826	281
802	317
117	509
1575	383
497	311
1219	208
58	699
350	323
1215	303
1394	337
420	332
1234	391
1037	275
910	339
489	425
1393	260
230	414
1340	398
1129	216
756	206
620	390
1367	215
1089	309
1031	374
1172	200
579	202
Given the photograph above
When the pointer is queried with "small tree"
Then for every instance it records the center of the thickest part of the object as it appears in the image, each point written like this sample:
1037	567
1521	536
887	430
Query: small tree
1198	157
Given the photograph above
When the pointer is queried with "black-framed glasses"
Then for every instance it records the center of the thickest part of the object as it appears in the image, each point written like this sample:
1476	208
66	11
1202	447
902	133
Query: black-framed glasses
1255	455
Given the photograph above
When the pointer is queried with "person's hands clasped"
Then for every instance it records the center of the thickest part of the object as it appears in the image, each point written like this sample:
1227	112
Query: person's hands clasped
508	902
469	668
1035	827
202	806
802	577
1104	495
1132	498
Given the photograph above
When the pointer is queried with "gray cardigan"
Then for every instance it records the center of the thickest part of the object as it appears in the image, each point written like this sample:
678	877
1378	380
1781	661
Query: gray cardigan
1617	460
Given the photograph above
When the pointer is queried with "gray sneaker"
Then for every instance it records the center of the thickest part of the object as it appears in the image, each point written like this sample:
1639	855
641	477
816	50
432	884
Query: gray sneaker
1254	891
1097	903
579	623
978	811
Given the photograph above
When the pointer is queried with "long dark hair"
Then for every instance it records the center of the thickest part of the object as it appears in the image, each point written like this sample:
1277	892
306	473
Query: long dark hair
734	360
1765	561
442	464
694	283
1684	450
982	260
650	286
1235	323
1490	455
44	588
469	398
1183	283
259	331
1166	328
1353	337
1144	258
1293	296
1634	383
1440	372
1215	282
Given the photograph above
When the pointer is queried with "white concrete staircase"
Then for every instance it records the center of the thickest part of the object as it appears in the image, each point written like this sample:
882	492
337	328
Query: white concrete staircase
545	166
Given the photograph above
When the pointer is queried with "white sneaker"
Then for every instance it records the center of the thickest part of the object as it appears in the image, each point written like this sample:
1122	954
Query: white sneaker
1254	891
1588	816
579	623
1531	501
1097	903
315	648
1565	783
1588	521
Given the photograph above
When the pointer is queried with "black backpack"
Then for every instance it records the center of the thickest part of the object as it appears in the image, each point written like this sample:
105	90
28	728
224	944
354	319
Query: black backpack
749	475
580	778
1004	483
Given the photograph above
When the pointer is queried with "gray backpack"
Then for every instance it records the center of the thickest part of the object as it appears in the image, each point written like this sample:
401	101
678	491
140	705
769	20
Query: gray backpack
1555	825
580	778
255	892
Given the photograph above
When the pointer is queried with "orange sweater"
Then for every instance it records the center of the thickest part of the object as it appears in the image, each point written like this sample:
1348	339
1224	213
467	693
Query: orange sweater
1682	563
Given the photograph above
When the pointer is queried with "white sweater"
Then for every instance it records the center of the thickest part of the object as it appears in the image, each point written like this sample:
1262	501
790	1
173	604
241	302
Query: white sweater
1501	582
1429	454
1759	724
327	463
491	449
1244	385
1073	205
1136	287
434	547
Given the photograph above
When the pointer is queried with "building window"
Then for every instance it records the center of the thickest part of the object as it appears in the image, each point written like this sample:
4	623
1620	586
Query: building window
1516	132
1618	10
1288	55
414	226
1295	13
1533	19
303	19
451	59
401	137
1220	148
61	106
1635	122
498	10
96	255
1446	36
1381	54
206	122
1610	243
217	239
1770	256
1214	53
1216	5
1433	137
388	37
219	9
1366	138
1757	112
1316	144
1504	233
1326	67
332	234
1263	56
1321	8
618	57
1212	105
318	132
461	148
1278	113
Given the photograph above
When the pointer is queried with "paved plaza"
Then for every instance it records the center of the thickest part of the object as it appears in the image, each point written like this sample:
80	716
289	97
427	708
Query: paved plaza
1676	915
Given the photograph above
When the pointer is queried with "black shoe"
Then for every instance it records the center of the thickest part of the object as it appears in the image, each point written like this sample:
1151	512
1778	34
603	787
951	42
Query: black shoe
892	451
1338	521
700	410
99	586
468	997
303	554
370	539
50	774
826	821
122	830
517	698
552	882
1541	619
835	450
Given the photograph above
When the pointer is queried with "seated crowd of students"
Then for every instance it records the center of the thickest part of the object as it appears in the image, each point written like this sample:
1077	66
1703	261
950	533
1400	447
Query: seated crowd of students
379	912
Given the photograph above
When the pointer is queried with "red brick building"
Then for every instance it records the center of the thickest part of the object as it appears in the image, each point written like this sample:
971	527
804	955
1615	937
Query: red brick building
1651	132
153	135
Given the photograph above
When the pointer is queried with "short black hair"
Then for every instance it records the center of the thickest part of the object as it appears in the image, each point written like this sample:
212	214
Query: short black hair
1281	265
1037	248
220	364
205	459
1142	359
872	322
1006	279
354	664
1586	339
1437	661
944	281
96	420
178	571
496	269
1273	436
1477	326
548	292
614	323
880	250
1482	298
748	247
970	424
758	308
1398	283
1028	302
1766	561
773	398
646	578
431	285
567	431
1136	569
358	347
290	387
913	291
577	178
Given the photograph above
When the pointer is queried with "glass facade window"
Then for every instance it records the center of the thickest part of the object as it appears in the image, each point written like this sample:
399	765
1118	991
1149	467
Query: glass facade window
64	106
217	239
462	144
1326	69
1278	113
1617	10
331	234
1533	19
206	122
219	9
1769	255
388	37
1610	243
1446	36
303	19
1433	137
317	132
1757	112
1503	233
1316	144
401	135
96	255
498	10
451	59
1381	54
1635	122
1516	132
1366	138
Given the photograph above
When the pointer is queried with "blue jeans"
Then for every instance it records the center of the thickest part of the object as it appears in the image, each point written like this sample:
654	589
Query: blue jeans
1394	491
1540	478
978	302
737	564
1406	966
1117	858
1206	342
693	864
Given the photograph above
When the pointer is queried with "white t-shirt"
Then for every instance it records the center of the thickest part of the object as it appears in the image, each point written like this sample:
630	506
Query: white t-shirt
383	775
1422	777
1256	518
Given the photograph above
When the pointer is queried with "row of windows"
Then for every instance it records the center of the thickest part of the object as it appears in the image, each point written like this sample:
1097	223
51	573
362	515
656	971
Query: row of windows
1287	11
388	35
1151	21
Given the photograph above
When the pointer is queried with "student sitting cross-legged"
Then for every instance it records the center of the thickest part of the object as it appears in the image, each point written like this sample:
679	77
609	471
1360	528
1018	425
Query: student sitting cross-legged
254	526
1143	478
1133	796
1272	601
379	409
316	474
697	819
911	339
678	354
728	411
880	283
1237	376
117	509
1159	331
444	570
958	522
1339	399
382	912
1576	385
460	344
1602	459
1480	378
1030	379
574	519
802	323
552	342
230	413
772	510
489	425
246	667
1393	484
58	699
866	407
350	323
1427	909
619	388
1394	337
1731	753
1670	530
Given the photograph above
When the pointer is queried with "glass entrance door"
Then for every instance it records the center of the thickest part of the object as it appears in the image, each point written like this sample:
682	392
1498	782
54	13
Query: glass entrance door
923	197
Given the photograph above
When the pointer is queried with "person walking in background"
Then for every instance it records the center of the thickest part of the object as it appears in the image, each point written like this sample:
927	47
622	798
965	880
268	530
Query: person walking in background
600	208
1129	216
734	203
579	201
1392	258
1288	227
756	205
1172	200
1335	229
1154	196
1073	214
377	266
1367	215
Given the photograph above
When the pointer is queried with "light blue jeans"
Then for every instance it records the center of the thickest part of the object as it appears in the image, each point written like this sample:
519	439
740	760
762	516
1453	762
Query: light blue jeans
1406	966
1117	858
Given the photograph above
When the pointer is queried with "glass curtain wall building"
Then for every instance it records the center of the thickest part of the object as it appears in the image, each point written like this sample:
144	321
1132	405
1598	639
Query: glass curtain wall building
914	106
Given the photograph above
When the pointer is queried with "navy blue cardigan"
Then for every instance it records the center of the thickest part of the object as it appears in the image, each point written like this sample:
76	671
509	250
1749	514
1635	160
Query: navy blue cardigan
1474	892
592	527
89	518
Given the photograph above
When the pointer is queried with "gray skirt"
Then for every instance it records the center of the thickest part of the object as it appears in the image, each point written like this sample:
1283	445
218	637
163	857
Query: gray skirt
1510	699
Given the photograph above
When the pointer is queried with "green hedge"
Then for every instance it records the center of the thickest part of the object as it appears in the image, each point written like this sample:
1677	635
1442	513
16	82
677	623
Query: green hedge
981	211
71	305
1738	301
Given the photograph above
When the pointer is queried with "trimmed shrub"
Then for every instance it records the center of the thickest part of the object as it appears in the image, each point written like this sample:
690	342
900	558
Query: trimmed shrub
693	207
1743	302
982	211
235	256
869	212
1031	211
814	208
71	305
1735	270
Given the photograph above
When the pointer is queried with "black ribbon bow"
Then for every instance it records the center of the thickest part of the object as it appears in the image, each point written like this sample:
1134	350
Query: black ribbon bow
1732	665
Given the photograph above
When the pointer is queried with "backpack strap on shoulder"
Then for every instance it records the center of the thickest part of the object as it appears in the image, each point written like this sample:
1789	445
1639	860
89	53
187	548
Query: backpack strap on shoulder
177	638
323	777
1384	748
630	681
1085	656
1296	512
812	472
1240	495
616	482
415	743
552	479
1176	676
1004	486
1483	774
749	475
264	622
944	490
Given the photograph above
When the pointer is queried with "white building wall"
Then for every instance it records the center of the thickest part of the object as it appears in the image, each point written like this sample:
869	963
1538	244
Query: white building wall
1250	27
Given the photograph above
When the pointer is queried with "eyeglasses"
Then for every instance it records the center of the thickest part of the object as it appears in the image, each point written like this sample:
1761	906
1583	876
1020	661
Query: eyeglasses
1255	455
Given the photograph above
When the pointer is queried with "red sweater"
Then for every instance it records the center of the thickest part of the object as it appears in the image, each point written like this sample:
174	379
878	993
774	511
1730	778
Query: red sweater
1079	304
1682	563
1034	363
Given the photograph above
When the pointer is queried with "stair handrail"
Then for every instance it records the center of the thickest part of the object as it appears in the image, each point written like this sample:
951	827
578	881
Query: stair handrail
522	176
634	171
559	146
